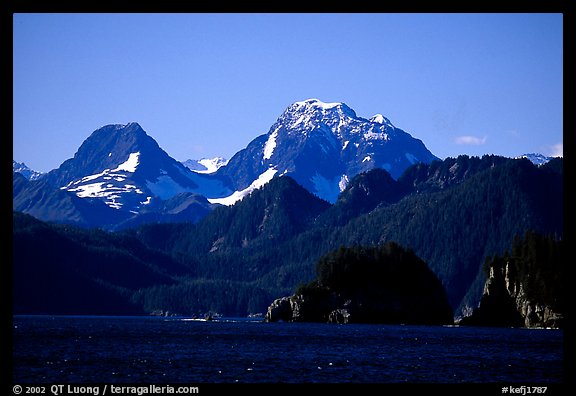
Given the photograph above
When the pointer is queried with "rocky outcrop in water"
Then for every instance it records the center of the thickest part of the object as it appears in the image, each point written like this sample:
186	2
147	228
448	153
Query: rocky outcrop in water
336	308
386	284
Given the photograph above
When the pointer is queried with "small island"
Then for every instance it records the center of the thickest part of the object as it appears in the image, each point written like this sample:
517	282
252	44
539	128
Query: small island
384	284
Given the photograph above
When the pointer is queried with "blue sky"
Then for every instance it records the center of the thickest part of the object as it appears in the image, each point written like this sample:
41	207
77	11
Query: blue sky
204	85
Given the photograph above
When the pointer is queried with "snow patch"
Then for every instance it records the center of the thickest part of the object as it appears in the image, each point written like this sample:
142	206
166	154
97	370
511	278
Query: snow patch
371	135
130	165
380	119
377	118
343	183
210	165
239	195
88	190
110	192
345	144
367	158
87	179
270	145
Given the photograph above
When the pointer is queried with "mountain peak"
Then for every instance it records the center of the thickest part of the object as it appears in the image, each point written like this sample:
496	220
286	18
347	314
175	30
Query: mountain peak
380	119
110	146
536	158
323	145
313	102
23	169
124	167
128	127
313	105
133	125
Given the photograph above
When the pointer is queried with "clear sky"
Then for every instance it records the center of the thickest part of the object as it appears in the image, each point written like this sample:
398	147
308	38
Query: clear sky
205	85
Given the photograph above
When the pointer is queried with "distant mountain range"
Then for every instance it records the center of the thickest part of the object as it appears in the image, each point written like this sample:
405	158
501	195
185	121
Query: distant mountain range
320	145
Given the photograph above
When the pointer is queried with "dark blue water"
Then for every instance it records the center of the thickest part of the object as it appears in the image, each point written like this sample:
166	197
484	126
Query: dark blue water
164	350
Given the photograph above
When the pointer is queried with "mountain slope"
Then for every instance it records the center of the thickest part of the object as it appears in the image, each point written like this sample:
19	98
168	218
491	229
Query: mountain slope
322	146
74	271
364	193
132	274
43	201
268	216
181	208
241	242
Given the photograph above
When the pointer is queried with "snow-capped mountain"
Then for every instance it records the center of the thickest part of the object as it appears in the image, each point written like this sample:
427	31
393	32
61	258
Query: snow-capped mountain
126	169
25	171
205	165
536	158
322	146
123	172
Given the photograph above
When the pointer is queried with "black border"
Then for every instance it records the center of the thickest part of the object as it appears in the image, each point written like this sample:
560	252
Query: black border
566	7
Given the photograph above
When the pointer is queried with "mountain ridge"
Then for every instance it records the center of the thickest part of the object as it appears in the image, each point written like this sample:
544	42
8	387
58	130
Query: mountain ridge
320	145
323	145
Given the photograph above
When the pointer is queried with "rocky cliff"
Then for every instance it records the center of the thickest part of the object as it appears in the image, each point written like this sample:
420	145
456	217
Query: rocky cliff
505	303
524	288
